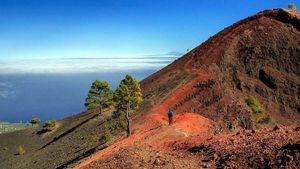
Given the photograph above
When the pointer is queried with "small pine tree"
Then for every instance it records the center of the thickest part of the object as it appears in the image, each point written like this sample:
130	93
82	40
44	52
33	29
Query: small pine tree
35	120
100	96
128	97
292	6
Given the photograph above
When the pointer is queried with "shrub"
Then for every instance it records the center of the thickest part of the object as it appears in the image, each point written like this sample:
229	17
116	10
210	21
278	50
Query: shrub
20	150
106	136
292	6
265	120
261	116
35	120
122	149
49	125
254	104
257	126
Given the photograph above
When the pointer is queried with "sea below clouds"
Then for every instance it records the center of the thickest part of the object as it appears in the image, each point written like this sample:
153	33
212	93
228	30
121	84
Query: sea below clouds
56	88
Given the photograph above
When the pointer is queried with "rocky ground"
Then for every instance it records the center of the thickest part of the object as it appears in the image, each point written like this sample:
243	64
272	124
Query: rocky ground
272	147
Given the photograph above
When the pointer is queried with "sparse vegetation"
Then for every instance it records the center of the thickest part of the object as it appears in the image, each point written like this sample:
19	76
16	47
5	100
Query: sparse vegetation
35	121
49	125
265	120
257	126
20	150
261	116
292	6
254	104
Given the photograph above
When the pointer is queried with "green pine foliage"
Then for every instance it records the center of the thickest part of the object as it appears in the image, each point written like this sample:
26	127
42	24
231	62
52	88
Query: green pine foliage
128	97
125	100
99	96
128	92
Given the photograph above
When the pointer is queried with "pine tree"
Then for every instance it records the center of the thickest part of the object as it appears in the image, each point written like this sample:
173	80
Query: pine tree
100	96
128	97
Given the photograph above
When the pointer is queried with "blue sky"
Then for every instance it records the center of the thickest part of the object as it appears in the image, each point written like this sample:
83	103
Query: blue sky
115	28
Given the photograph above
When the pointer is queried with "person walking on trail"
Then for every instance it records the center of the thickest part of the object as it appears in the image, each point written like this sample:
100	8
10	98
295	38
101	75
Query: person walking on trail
170	116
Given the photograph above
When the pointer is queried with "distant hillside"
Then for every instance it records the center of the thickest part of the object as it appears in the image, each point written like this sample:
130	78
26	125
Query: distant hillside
75	138
6	127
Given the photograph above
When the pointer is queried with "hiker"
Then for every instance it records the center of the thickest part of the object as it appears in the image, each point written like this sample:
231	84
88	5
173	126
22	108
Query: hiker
170	116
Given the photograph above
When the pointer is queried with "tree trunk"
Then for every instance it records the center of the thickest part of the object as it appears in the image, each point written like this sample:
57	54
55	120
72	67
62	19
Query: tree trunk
100	109
128	119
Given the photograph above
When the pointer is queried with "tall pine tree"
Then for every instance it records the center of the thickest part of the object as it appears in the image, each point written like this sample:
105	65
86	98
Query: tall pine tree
128	97
100	96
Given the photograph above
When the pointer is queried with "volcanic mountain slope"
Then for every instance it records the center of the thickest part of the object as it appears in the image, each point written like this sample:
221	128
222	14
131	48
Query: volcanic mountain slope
255	58
258	56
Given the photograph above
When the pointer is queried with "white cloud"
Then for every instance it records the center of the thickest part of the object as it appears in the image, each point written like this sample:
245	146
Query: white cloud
81	65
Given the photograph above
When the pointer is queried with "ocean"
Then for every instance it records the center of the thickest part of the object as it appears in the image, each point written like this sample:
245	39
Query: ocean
56	89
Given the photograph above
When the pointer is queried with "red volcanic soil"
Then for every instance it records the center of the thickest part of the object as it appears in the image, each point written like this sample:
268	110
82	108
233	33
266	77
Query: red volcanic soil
266	148
154	130
208	89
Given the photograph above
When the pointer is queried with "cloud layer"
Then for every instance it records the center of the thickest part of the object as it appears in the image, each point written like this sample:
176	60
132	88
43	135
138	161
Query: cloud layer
82	65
